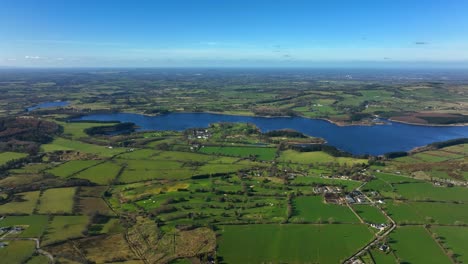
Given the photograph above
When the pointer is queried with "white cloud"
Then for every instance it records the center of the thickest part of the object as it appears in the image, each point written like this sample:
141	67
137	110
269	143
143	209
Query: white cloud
32	57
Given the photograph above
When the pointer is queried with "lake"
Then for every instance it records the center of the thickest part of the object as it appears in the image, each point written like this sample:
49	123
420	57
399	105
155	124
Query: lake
48	105
374	140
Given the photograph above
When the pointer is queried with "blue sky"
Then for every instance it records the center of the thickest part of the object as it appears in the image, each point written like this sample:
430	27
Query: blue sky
176	33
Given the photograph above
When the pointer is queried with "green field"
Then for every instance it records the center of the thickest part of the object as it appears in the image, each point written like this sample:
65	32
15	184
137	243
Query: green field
348	184
67	144
370	214
290	243
410	242
71	167
426	191
17	251
315	157
34	224
57	201
428	212
23	203
380	257
262	153
62	228
102	174
456	239
140	170
313	209
7	156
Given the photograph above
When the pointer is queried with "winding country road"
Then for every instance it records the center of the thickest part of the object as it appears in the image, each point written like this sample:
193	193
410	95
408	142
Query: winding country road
37	245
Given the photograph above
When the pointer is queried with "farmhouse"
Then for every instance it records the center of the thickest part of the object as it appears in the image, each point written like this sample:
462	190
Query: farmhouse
379	226
384	248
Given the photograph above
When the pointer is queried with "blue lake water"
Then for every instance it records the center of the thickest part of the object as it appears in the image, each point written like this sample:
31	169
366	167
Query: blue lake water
48	105
375	140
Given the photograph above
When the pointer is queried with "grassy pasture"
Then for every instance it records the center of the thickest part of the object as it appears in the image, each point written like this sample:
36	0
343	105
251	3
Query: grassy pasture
456	239
36	224
380	257
32	168
57	201
428	212
437	156
313	209
7	156
101	174
410	242
23	203
394	178
349	184
17	251
140	170
213	168
67	144
66	169
290	243
425	191
315	157
184	156
378	185
370	214
139	154
263	153
62	228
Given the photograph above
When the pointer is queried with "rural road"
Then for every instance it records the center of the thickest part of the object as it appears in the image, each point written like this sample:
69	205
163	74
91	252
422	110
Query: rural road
37	245
377	239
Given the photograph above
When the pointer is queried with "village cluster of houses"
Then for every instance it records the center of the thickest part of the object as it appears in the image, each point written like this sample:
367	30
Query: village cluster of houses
327	189
199	134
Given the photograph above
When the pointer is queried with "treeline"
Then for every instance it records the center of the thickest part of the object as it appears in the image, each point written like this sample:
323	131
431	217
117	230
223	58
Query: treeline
432	146
448	143
105	130
395	154
285	133
445	120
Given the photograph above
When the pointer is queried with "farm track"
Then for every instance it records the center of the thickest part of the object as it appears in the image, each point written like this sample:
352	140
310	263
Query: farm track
37	245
